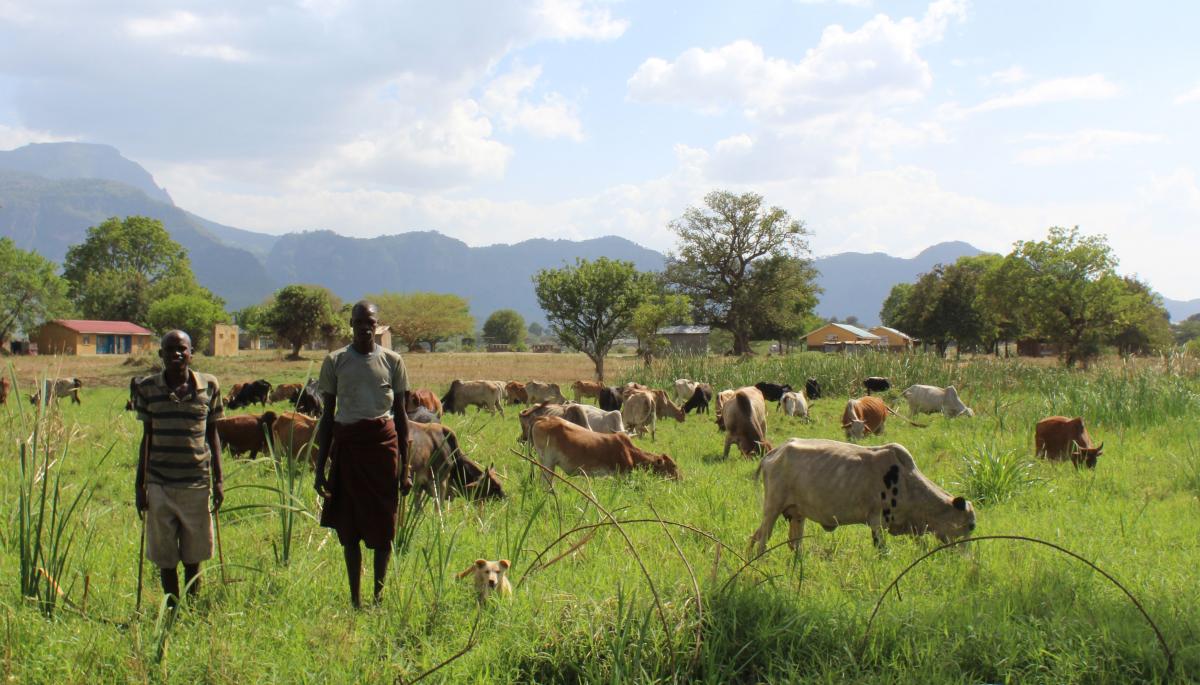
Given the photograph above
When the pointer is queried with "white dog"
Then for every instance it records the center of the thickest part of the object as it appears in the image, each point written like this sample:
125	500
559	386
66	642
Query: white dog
490	576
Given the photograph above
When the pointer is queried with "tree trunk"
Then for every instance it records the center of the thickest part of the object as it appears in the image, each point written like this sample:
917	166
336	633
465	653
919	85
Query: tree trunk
741	344
432	345
295	355
598	360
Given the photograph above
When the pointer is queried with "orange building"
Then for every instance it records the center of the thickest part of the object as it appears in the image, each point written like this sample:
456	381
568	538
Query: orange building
895	340
842	337
86	337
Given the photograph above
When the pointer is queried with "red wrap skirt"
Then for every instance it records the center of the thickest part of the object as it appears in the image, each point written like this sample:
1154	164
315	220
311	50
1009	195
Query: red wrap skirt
364	479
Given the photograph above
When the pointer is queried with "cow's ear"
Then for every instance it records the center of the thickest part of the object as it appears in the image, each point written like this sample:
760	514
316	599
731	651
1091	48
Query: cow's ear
481	562
504	564
959	503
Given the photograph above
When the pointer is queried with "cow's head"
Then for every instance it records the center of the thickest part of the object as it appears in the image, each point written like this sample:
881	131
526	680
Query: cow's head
1085	455
954	520
487	486
665	466
857	428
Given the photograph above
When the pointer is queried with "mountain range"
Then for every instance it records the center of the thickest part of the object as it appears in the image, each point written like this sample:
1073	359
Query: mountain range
50	194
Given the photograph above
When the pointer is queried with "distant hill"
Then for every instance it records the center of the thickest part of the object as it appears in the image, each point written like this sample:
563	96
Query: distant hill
1181	309
81	160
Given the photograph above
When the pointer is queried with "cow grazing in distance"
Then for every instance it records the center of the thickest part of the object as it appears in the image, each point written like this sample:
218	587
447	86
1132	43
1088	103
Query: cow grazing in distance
638	413
514	392
836	483
594	418
863	416
663	406
582	389
771	392
528	416
699	400
794	404
610	398
929	399
58	387
422	398
234	390
539	392
440	469
812	390
246	433
293	433
256	391
487	395
684	389
577	450
876	384
723	398
309	401
4	385
746	422
286	392
1058	437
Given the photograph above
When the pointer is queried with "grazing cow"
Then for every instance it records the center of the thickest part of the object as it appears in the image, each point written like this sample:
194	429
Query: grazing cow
638	413
514	392
246	433
544	392
794	404
4	385
746	422
233	392
864	415
528	416
771	392
257	391
610	399
699	400
583	389
440	468
422	398
929	399
812	389
594	418
309	402
876	384
487	395
577	450
423	415
663	406
292	433
837	483
684	389
287	391
1058	437
632	387
723	398
59	387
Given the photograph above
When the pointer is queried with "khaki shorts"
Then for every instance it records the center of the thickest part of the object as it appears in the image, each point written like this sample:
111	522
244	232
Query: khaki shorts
178	525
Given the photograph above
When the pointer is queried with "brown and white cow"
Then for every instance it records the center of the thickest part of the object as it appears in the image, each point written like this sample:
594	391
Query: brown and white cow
487	395
594	418
685	388
638	413
794	403
527	417
293	432
1058	438
663	406
583	389
723	398
422	397
514	392
837	483
632	387
58	387
746	422
246	432
863	416
440	468
544	392
577	450
286	392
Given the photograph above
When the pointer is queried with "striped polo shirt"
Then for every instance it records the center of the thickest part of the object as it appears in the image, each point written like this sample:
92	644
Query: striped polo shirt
179	455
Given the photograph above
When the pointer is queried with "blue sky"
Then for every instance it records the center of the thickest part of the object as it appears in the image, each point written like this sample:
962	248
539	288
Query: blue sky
884	126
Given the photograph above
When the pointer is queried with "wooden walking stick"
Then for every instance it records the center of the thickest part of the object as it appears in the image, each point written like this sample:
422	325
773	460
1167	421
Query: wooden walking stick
142	515
220	549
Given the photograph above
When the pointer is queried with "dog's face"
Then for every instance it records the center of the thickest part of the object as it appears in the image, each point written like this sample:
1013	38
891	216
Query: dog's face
489	576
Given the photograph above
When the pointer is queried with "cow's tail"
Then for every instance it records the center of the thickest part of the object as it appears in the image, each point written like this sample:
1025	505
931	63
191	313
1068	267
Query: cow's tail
893	413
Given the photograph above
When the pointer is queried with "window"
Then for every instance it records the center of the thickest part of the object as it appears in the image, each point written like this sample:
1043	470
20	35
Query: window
87	340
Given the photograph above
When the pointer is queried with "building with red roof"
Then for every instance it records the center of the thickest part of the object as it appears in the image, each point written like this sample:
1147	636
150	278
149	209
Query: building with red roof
89	337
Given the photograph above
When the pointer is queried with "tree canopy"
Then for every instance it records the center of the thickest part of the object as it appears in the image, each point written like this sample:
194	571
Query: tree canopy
429	318
656	311
188	312
30	290
743	266
124	265
590	304
299	314
505	326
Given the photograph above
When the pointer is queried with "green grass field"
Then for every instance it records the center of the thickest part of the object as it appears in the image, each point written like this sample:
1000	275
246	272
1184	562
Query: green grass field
653	601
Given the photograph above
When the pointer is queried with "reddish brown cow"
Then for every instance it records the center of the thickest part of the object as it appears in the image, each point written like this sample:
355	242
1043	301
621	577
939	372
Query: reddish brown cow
584	389
3	389
233	392
292	433
245	433
865	415
528	416
577	450
1058	437
422	398
514	392
287	392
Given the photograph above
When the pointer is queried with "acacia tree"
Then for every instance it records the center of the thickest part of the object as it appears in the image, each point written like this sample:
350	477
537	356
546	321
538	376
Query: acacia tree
300	313
126	264
729	252
430	318
30	290
588	305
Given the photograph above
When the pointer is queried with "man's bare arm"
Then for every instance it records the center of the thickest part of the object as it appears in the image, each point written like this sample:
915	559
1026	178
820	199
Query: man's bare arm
324	441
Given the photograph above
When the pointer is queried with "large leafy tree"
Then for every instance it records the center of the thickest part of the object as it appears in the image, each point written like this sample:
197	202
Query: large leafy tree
656	311
429	318
300	313
126	264
505	326
1144	325
731	255
30	290
588	305
190	313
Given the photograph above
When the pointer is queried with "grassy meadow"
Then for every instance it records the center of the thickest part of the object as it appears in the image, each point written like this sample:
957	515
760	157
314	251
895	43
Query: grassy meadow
668	595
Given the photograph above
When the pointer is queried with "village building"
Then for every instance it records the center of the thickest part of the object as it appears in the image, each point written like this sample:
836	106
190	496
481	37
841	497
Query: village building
894	340
87	337
842	337
686	339
223	341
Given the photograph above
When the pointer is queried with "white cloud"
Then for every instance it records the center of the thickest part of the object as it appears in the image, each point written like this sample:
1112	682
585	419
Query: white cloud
1189	96
852	3
1093	87
575	19
172	24
552	117
1012	75
1081	146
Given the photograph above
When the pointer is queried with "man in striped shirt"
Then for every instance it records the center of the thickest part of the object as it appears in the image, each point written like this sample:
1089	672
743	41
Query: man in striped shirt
179	464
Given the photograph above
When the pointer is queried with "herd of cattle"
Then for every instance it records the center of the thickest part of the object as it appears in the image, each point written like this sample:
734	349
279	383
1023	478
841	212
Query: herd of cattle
832	483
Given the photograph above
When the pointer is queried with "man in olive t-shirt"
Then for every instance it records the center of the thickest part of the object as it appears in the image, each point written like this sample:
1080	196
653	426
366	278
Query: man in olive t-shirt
364	431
